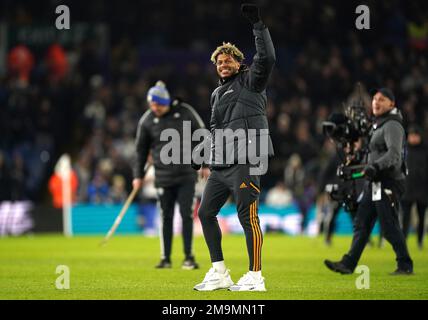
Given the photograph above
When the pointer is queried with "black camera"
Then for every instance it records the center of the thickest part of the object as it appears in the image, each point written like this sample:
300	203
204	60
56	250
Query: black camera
349	126
346	129
343	193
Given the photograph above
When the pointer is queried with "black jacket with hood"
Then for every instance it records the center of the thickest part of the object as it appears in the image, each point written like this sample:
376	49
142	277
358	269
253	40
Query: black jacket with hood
240	103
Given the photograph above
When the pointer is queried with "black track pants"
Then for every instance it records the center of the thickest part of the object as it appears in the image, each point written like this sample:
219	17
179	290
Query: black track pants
387	211
421	208
245	189
182	194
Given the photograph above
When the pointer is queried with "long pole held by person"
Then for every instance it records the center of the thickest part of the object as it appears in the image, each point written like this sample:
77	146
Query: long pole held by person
123	210
120	216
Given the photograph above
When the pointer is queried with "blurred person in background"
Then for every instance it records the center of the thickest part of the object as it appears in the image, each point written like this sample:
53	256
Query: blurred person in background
98	189
295	177
305	145
56	62
56	186
20	63
18	178
4	179
83	171
175	183
117	192
279	196
147	209
416	182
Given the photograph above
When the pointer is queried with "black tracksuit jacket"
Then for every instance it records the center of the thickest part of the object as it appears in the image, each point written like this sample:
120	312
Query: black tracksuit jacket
240	101
149	132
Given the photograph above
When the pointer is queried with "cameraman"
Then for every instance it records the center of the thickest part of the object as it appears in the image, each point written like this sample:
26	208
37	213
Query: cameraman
386	175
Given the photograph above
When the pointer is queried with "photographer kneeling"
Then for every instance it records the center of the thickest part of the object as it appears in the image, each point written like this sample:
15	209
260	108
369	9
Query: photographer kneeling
385	173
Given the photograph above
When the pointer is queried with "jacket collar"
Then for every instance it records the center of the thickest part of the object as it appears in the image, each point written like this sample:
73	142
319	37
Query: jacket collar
393	114
223	81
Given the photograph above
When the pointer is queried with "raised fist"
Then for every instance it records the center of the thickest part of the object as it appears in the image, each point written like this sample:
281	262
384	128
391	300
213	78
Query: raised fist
251	12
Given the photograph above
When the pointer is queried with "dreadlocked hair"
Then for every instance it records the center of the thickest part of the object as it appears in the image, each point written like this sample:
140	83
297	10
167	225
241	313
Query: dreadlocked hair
230	49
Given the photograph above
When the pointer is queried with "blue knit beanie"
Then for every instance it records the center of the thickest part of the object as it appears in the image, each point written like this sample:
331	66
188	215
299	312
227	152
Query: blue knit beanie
159	94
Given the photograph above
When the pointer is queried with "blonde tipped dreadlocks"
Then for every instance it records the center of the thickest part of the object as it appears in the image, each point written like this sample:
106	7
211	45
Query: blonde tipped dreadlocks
230	49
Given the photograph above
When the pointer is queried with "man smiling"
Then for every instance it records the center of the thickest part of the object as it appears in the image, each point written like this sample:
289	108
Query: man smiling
239	103
385	173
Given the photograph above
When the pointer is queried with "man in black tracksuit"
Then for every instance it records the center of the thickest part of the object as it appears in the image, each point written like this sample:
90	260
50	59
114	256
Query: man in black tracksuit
238	104
174	182
416	182
385	172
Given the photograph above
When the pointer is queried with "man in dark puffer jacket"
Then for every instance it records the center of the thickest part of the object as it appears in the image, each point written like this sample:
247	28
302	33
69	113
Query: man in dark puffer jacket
238	117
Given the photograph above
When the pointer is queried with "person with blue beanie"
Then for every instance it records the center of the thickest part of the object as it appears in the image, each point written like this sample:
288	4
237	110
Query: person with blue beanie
175	183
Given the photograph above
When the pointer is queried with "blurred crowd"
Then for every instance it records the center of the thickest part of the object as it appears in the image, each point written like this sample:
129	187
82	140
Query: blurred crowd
87	102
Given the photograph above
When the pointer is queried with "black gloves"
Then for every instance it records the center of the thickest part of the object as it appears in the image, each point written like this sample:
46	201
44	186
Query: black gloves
371	171
251	12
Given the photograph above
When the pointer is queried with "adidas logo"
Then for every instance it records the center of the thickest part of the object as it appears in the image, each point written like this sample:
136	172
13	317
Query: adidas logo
243	185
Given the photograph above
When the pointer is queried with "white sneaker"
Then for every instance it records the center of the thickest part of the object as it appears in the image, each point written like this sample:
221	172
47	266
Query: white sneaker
249	283
215	280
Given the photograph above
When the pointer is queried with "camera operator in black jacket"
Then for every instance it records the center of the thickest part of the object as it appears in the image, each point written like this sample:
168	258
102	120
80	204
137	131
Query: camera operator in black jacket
385	173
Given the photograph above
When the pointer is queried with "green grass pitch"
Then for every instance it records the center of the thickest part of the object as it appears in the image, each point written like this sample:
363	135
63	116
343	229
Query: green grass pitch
124	269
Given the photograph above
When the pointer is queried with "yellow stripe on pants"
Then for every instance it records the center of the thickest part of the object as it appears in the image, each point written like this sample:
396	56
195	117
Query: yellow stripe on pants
257	237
